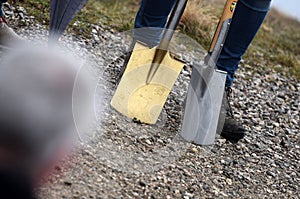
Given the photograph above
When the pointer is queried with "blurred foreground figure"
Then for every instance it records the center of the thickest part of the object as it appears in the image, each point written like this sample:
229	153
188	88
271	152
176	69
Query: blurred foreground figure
36	123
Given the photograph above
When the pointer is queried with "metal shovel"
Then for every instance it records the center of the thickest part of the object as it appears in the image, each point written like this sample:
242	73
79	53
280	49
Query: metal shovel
203	116
149	76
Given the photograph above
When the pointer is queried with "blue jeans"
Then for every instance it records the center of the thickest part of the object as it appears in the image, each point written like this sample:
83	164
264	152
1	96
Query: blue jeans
246	21
1	11
152	15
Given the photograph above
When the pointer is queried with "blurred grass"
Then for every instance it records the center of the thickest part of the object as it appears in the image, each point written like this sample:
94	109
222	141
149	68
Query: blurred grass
277	42
117	14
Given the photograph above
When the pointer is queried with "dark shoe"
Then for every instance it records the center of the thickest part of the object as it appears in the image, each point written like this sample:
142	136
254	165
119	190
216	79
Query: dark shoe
232	130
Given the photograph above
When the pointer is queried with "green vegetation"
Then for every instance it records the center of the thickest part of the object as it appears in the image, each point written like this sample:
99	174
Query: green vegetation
117	14
277	44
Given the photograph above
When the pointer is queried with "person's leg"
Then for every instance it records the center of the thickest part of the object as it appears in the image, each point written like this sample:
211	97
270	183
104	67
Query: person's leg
2	15
246	21
149	23
152	16
7	35
1	11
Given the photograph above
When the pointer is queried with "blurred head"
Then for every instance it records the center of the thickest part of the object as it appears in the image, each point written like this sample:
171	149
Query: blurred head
36	122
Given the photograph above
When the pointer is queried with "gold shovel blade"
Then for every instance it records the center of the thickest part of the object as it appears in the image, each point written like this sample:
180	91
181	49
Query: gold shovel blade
135	98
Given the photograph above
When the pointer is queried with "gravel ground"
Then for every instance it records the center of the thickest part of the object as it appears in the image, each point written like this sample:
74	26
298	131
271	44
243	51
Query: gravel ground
122	159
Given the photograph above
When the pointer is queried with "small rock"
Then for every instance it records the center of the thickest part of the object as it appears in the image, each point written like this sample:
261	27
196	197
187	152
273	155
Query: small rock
68	183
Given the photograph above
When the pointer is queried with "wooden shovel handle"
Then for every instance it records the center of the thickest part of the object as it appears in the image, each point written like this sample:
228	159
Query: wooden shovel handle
228	11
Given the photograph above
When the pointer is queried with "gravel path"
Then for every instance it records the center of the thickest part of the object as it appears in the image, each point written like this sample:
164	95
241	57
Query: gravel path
123	159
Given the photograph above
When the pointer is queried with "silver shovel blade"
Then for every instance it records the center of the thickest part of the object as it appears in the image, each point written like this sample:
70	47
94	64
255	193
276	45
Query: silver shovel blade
203	105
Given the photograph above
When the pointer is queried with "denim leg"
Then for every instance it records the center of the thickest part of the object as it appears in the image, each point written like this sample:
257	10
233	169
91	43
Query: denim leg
248	17
1	11
152	16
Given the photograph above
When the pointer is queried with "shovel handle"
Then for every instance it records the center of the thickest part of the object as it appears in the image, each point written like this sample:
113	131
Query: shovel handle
162	49
174	19
222	29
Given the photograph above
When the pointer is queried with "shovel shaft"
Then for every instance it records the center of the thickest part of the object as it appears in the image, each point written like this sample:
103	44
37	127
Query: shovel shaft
217	43
162	49
221	31
175	17
158	57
